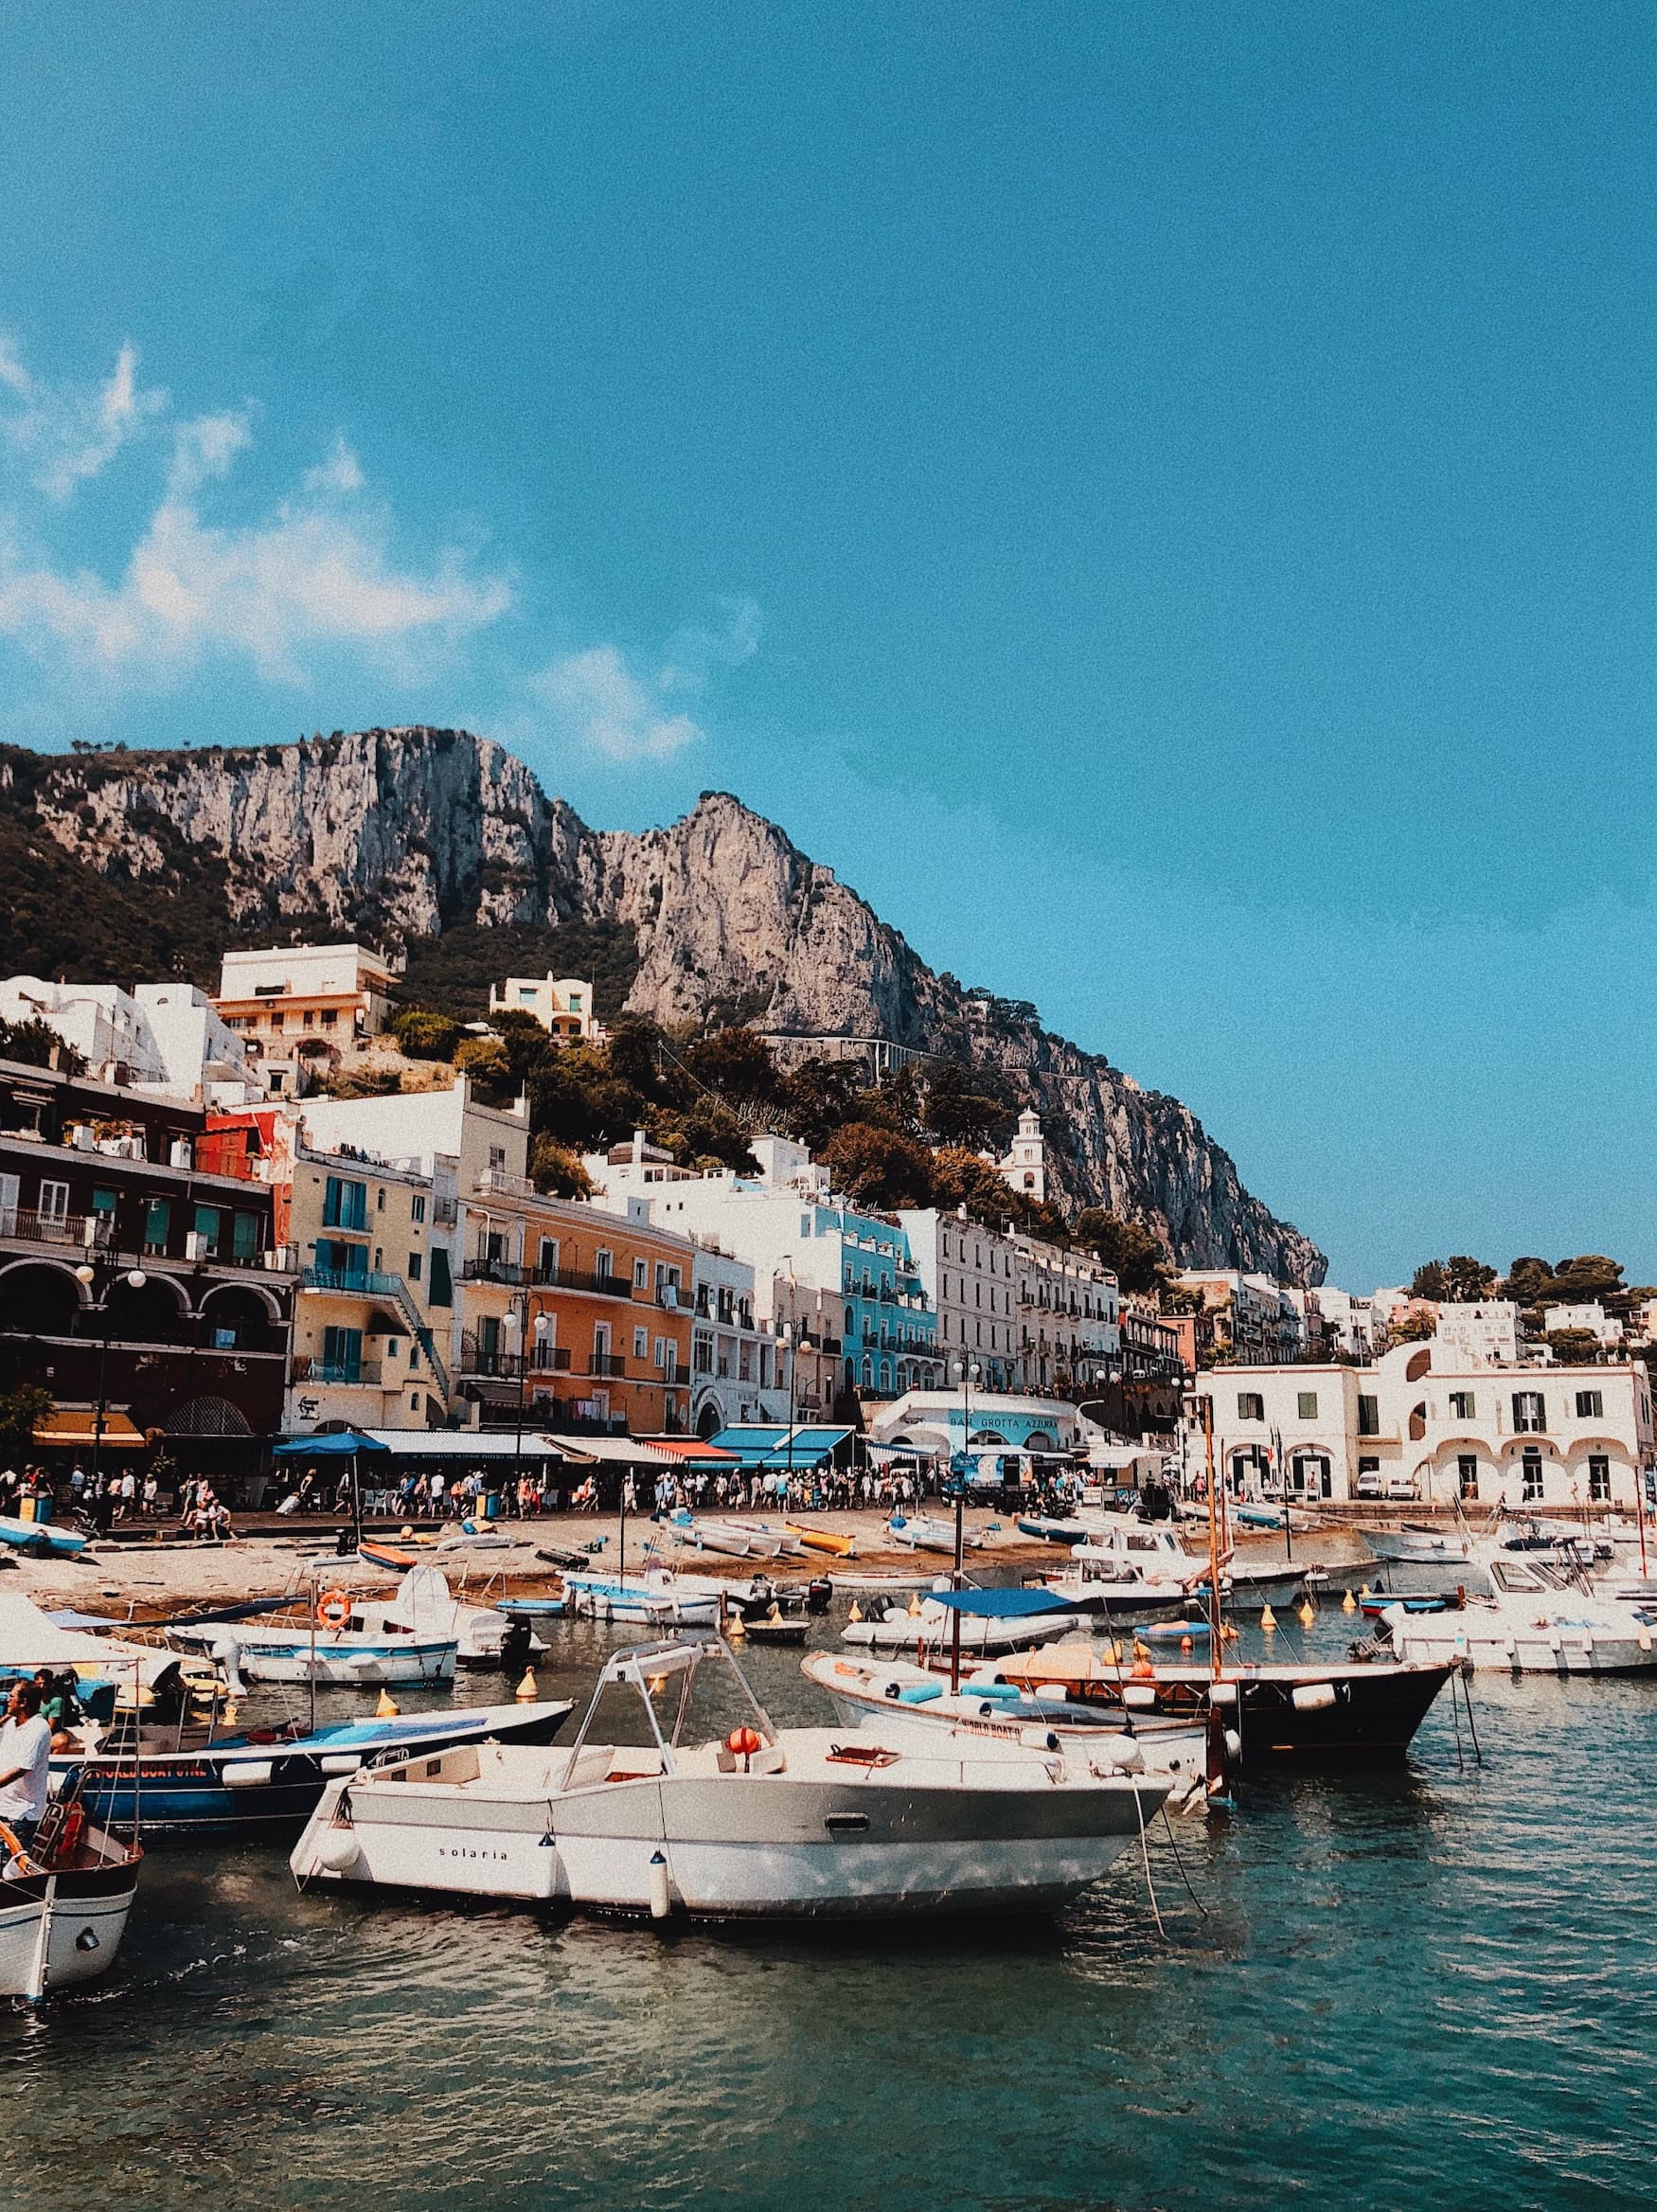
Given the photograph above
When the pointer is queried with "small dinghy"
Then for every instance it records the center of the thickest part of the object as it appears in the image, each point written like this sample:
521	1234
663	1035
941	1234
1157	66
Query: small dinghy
928	1532
43	1538
764	1823
63	1902
778	1631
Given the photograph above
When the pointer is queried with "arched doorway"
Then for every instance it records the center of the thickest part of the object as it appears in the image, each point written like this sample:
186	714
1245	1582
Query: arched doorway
709	1421
235	1318
41	1301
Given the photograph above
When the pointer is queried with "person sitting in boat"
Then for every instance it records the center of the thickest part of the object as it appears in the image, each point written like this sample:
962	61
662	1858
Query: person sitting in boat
60	1706
26	1753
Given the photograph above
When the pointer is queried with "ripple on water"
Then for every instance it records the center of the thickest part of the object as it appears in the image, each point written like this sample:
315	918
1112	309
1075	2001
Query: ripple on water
1434	1988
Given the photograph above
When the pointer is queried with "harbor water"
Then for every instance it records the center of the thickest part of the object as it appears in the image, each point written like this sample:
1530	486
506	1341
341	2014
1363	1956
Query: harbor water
1431	1986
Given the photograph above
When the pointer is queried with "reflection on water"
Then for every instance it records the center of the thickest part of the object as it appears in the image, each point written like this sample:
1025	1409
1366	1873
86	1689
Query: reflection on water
1436	1987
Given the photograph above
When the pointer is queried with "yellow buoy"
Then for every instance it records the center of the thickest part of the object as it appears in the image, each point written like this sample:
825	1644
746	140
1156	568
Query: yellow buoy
525	1691
737	1628
658	1683
386	1709
915	1601
856	1613
1348	1603
1227	1632
1268	1618
1364	1589
1141	1651
776	1612
1307	1615
229	1715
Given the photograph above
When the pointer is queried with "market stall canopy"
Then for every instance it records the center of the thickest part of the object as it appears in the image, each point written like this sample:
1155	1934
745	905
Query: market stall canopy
619	1452
70	1425
769	1450
478	1444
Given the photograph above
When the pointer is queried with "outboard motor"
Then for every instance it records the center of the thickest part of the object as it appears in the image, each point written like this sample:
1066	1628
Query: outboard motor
514	1655
819	1590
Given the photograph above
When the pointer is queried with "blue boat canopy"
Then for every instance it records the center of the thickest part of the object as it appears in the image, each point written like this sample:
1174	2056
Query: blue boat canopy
766	1448
338	1444
1003	1604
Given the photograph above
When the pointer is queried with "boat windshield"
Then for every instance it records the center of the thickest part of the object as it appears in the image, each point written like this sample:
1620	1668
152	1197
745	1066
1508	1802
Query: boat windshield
648	1669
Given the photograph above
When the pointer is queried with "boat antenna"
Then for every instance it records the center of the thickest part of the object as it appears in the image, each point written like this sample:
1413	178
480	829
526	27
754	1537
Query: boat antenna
1214	1620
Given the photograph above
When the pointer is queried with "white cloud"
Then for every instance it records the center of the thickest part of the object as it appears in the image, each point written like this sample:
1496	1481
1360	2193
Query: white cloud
292	586
314	572
64	437
622	715
609	709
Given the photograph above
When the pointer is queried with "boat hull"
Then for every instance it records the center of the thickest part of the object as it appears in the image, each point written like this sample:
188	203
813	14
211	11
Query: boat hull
252	1787
1417	1546
1370	1718
41	1537
58	1930
1547	1650
739	1848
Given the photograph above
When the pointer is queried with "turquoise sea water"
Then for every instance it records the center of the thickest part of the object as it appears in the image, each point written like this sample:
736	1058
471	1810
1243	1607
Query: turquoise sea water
1434	1987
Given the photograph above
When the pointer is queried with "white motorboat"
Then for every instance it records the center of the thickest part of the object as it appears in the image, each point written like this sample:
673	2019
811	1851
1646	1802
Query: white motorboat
904	1703
321	1647
426	1607
793	1823
1541	1619
657	1597
1416	1543
63	1902
930	1532
989	1620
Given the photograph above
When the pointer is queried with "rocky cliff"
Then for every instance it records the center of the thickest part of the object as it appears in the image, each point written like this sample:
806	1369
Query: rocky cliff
402	833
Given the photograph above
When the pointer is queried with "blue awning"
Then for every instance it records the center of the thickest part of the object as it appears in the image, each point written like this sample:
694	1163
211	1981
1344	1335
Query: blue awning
768	1450
339	1444
1003	1604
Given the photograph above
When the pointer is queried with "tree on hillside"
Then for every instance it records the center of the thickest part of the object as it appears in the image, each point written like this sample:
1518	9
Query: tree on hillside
33	1043
1468	1280
736	1063
424	1035
1430	1281
816	1099
959	1110
1590	1276
1528	1282
1133	1253
959	1177
1574	1347
554	1170
878	1166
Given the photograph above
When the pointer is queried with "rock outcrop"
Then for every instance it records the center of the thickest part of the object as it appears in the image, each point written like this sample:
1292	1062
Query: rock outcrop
403	832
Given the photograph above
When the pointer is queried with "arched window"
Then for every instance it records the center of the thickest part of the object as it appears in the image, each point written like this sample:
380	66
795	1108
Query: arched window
868	1372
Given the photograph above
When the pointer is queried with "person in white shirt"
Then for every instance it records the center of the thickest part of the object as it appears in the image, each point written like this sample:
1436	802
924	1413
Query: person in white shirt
25	1752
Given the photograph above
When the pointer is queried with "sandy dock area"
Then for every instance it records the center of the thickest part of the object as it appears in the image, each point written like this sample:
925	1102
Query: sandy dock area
141	1578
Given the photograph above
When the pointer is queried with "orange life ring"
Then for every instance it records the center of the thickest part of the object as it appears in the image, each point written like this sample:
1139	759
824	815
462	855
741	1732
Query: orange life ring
333	1609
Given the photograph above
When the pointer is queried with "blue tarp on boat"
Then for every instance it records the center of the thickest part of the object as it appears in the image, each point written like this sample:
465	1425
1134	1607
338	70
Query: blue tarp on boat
1003	1604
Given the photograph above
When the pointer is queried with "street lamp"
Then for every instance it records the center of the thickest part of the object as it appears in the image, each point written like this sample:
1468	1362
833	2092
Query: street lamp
87	1274
968	1371
517	1315
788	1342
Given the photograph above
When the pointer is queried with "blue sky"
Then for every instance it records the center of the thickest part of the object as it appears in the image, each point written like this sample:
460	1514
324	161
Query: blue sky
1160	499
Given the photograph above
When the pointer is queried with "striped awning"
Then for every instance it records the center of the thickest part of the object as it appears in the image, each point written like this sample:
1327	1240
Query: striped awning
75	1427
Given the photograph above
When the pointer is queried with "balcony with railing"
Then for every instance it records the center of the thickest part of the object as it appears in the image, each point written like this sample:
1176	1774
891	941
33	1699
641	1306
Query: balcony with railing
82	1232
348	1282
479	1356
354	1373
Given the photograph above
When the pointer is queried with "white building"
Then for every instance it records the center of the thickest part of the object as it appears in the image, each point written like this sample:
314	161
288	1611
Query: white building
973	1276
159	1037
1591	1318
1069	1316
301	1007
1485	1334
1349	1324
1025	1165
562	1004
950	1420
738	1371
1431	1422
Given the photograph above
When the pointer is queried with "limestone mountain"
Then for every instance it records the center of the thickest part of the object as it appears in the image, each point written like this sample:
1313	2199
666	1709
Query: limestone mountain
125	863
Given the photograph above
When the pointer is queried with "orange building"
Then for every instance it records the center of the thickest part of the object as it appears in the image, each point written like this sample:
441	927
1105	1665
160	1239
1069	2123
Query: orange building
583	1317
